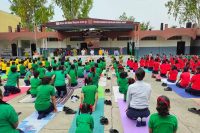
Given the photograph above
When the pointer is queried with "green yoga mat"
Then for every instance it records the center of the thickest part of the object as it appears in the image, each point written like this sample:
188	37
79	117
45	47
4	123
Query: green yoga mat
4	77
101	92
98	128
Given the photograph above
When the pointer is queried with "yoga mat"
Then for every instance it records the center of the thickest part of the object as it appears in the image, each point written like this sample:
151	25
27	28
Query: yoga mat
81	83
129	126
32	125
168	83
117	94
181	92
102	81
147	71
27	99
24	89
100	92
98	128
4	76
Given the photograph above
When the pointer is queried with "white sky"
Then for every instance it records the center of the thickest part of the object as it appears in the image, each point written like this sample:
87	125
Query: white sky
143	10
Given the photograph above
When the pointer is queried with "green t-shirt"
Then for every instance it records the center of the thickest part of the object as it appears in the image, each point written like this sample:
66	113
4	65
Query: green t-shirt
160	124
73	75
47	64
35	82
54	65
22	69
84	123
92	64
34	66
80	71
59	78
95	78
43	100
123	85
41	71
87	67
8	117
66	64
27	76
98	71
100	65
12	79
89	93
49	74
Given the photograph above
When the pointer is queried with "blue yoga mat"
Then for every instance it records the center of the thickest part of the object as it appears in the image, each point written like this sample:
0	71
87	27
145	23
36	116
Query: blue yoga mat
147	71
98	128
181	92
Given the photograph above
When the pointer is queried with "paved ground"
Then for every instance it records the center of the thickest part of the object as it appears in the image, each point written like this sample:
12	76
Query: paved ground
188	122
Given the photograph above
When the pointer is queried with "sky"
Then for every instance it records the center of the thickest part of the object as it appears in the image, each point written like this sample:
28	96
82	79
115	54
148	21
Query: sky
143	10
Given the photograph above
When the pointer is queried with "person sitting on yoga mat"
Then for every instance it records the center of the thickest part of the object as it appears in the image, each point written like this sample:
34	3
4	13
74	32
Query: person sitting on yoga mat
123	82
89	93
13	79
22	69
49	72
73	75
84	121
172	75
130	81
80	70
138	97
45	94
163	69
28	76
98	70
184	80
41	70
8	117
194	86
163	121
135	66
35	82
156	66
94	76
59	82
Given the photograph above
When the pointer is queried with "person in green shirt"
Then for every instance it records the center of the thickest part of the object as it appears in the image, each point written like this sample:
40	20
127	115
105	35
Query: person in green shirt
13	79
8	117
49	72
89	93
41	70
87	67
54	64
73	75
92	63
94	76
123	83
34	65
22	69
84	121
80	70
163	121
45	94
27	77
35	82
98	70
47	63
59	82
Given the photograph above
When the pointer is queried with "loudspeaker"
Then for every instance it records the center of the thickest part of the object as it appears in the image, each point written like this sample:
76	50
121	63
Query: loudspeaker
14	49
33	48
18	28
189	25
161	26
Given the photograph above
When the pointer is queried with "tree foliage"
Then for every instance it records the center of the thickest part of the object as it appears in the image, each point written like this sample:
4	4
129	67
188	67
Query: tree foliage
74	9
32	11
143	25
184	10
124	17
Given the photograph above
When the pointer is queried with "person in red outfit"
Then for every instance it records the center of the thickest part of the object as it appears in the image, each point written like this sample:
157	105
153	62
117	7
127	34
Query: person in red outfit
194	87
163	69
151	62
156	66
131	64
172	75
128	62
177	64
135	67
184	79
142	62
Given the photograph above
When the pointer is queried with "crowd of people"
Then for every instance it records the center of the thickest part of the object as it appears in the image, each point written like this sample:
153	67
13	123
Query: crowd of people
43	75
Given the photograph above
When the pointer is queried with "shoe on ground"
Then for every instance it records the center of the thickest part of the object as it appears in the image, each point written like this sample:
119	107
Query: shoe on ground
104	121
40	116
108	102
168	89
107	90
143	122
164	84
113	131
67	110
194	110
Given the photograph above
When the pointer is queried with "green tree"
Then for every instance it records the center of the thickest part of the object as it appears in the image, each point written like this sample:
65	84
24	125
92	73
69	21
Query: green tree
145	26
32	12
184	10
124	17
74	9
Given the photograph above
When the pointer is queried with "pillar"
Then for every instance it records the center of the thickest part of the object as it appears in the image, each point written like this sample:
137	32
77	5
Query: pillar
19	45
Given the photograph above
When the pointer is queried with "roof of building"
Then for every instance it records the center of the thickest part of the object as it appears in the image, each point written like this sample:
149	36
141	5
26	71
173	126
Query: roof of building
100	24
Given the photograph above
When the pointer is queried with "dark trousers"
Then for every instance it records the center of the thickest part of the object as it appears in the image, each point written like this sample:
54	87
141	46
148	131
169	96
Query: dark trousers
193	91
27	82
11	89
81	76
163	75
61	90
74	84
47	111
135	113
155	72
179	85
172	81
150	68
